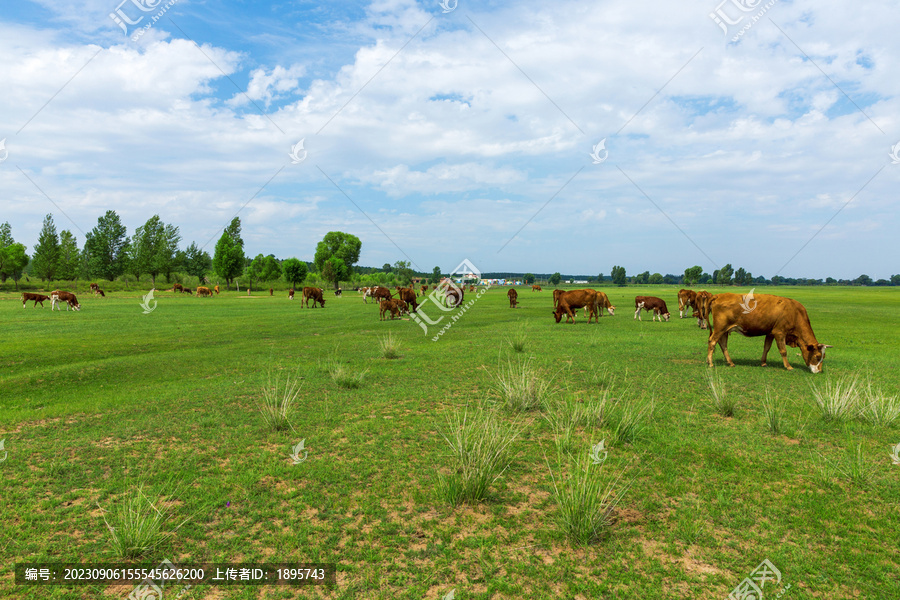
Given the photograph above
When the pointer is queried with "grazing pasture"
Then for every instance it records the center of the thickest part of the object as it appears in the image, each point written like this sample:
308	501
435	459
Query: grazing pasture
94	404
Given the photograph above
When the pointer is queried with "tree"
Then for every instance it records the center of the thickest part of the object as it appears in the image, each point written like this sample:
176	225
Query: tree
692	275
863	280
895	279
529	279
344	248
670	279
294	271
723	275
106	246
69	256
271	270
386	267
229	257
153	248
436	275
619	276
554	279
403	271
655	279
6	238
196	262
254	271
12	256
600	278
743	277
46	252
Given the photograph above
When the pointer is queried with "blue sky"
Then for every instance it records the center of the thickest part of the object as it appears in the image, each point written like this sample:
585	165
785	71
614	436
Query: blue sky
438	136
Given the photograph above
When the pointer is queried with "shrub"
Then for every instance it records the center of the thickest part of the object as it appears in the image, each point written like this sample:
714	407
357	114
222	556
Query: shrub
522	387
390	347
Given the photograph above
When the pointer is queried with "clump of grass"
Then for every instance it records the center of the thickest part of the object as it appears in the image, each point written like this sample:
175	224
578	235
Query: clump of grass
629	418
596	408
518	339
722	403
837	400
586	496
773	413
564	415
855	468
878	409
688	523
137	525
343	375
480	442
522	387
390	347
278	400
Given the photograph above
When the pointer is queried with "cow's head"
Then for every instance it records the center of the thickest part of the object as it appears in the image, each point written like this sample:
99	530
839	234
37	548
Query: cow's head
558	315
611	310
814	356
667	315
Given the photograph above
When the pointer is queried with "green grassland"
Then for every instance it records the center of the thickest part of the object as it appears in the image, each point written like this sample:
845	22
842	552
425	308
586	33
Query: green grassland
97	402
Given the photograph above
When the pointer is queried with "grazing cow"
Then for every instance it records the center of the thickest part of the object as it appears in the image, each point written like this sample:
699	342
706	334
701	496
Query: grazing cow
57	296
686	299
94	288
651	303
535	288
781	319
454	296
337	292
187	290
402	306
204	291
701	308
26	296
177	288
100	293
603	302
575	299
314	294
291	294
216	290
271	292
556	294
471	288
513	296
408	295
390	306
380	293
424	289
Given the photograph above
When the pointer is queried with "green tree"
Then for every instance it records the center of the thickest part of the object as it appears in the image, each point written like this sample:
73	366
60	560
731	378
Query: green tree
106	246
6	238
46	252
344	248
600	278
692	275
861	280
655	279
436	275
294	270
69	256
895	279
197	262
154	246
386	267
403	271
723	275
555	278
13	259
229	257
271	269
528	279
742	277
618	276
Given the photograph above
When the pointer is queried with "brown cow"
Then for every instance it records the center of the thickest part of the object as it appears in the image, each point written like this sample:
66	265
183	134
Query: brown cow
204	291
177	288
100	293
408	295
513	296
380	293
556	295
94	287
291	294
603	302
57	296
471	288
187	290
781	319
651	303
216	290
575	299
701	308
315	294
535	288
389	305
453	295
26	296
402	306
271	292
424	289
686	299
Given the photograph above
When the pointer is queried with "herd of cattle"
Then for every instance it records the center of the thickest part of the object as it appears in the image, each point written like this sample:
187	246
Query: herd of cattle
782	320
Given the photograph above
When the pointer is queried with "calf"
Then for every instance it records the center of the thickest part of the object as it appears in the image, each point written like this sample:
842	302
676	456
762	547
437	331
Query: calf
69	298
26	296
100	293
702	301
402	306
602	302
686	299
291	294
424	289
535	288
177	288
314	294
651	303
513	296
380	293
337	292
389	306
575	299
216	289
271	292
204	291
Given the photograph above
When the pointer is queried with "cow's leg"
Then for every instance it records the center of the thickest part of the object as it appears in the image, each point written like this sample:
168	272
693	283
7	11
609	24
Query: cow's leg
766	345
637	312
723	343
783	350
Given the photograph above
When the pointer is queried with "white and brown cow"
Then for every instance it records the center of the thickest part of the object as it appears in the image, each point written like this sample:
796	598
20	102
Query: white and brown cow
651	303
28	296
57	296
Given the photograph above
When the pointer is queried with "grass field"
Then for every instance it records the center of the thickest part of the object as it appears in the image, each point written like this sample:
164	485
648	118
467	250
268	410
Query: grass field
96	403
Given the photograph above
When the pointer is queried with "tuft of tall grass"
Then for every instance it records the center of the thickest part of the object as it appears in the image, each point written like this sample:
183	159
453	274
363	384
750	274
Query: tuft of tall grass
564	415
722	403
628	419
773	413
343	375
837	400
390	347
518	339
137	525
877	408
278	400
586	495
522	387
481	449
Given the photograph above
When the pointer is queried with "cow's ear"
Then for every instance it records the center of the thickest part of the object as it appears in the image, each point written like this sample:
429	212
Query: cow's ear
823	346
